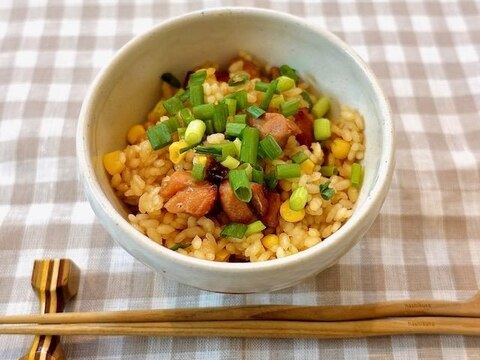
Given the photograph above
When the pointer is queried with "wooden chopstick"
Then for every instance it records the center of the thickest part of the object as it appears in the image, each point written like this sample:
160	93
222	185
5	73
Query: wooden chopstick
263	328
467	308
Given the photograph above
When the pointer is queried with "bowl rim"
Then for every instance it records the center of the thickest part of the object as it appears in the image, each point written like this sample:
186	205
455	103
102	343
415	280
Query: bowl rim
94	192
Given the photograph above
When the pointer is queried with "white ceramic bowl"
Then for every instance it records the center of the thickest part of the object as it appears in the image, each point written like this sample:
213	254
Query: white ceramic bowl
127	88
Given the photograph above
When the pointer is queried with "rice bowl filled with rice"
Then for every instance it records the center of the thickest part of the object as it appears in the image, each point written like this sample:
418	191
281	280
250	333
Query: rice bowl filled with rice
242	164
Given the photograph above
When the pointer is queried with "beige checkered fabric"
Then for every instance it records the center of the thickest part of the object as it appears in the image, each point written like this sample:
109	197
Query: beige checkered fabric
424	244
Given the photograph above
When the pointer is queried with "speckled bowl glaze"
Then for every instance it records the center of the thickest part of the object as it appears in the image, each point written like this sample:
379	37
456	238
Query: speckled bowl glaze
126	89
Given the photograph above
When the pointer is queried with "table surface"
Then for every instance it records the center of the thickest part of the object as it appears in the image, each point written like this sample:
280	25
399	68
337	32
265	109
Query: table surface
424	244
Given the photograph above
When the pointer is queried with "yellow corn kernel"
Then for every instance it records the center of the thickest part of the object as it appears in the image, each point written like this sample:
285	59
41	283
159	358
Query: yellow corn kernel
157	112
276	101
113	162
289	214
202	159
340	148
174	151
135	133
271	241
222	255
307	167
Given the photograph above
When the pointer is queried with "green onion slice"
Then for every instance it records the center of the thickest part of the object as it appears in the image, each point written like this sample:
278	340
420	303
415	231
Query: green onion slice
196	95
356	173
159	136
238	79
209	150
249	150
299	198
234	129
204	111
287	171
325	191
270	147
289	107
198	171
234	230
240	184
299	157
321	107
195	131
254	228
269	94
288	71
197	78
329	170
255	112
321	129
173	105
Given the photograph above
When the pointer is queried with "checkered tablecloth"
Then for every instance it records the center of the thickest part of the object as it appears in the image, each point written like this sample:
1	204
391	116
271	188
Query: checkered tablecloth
424	244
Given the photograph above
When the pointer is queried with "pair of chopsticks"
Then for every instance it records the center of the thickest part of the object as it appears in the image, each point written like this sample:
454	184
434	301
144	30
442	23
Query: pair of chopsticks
272	321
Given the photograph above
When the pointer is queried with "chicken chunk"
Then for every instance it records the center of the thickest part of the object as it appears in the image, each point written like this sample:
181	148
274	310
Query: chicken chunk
195	200
276	125
236	210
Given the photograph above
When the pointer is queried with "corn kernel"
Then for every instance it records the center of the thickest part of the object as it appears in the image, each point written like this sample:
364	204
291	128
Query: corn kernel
307	167
113	162
271	242
289	214
340	148
135	133
174	151
200	159
222	255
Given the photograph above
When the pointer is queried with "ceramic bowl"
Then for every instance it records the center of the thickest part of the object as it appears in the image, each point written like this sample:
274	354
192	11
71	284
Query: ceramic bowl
127	88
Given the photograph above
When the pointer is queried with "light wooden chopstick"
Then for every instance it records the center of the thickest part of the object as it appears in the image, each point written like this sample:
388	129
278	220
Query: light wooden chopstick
465	308
263	328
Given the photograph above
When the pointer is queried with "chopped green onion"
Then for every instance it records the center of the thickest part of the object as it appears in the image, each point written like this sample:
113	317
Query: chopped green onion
186	115
172	124
198	171
183	95
261	86
240	184
248	152
197	78
287	171
232	107
326	192
306	96
173	105
175	247
248	170
321	107
299	157
238	145
209	125
257	174
181	132
159	136
255	112
241	97
289	107
298	199
170	79
234	129
220	113
240	118
238	79
204	111
230	162
209	150
195	131
285	83
270	147
329	170
356	175
288	71
228	149
254	228
271	180
276	101
269	94
196	95
186	148
234	230
321	129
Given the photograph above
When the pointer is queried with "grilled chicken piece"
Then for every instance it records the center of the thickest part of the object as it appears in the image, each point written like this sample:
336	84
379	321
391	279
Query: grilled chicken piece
271	217
259	200
276	125
304	121
195	200
236	210
179	180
